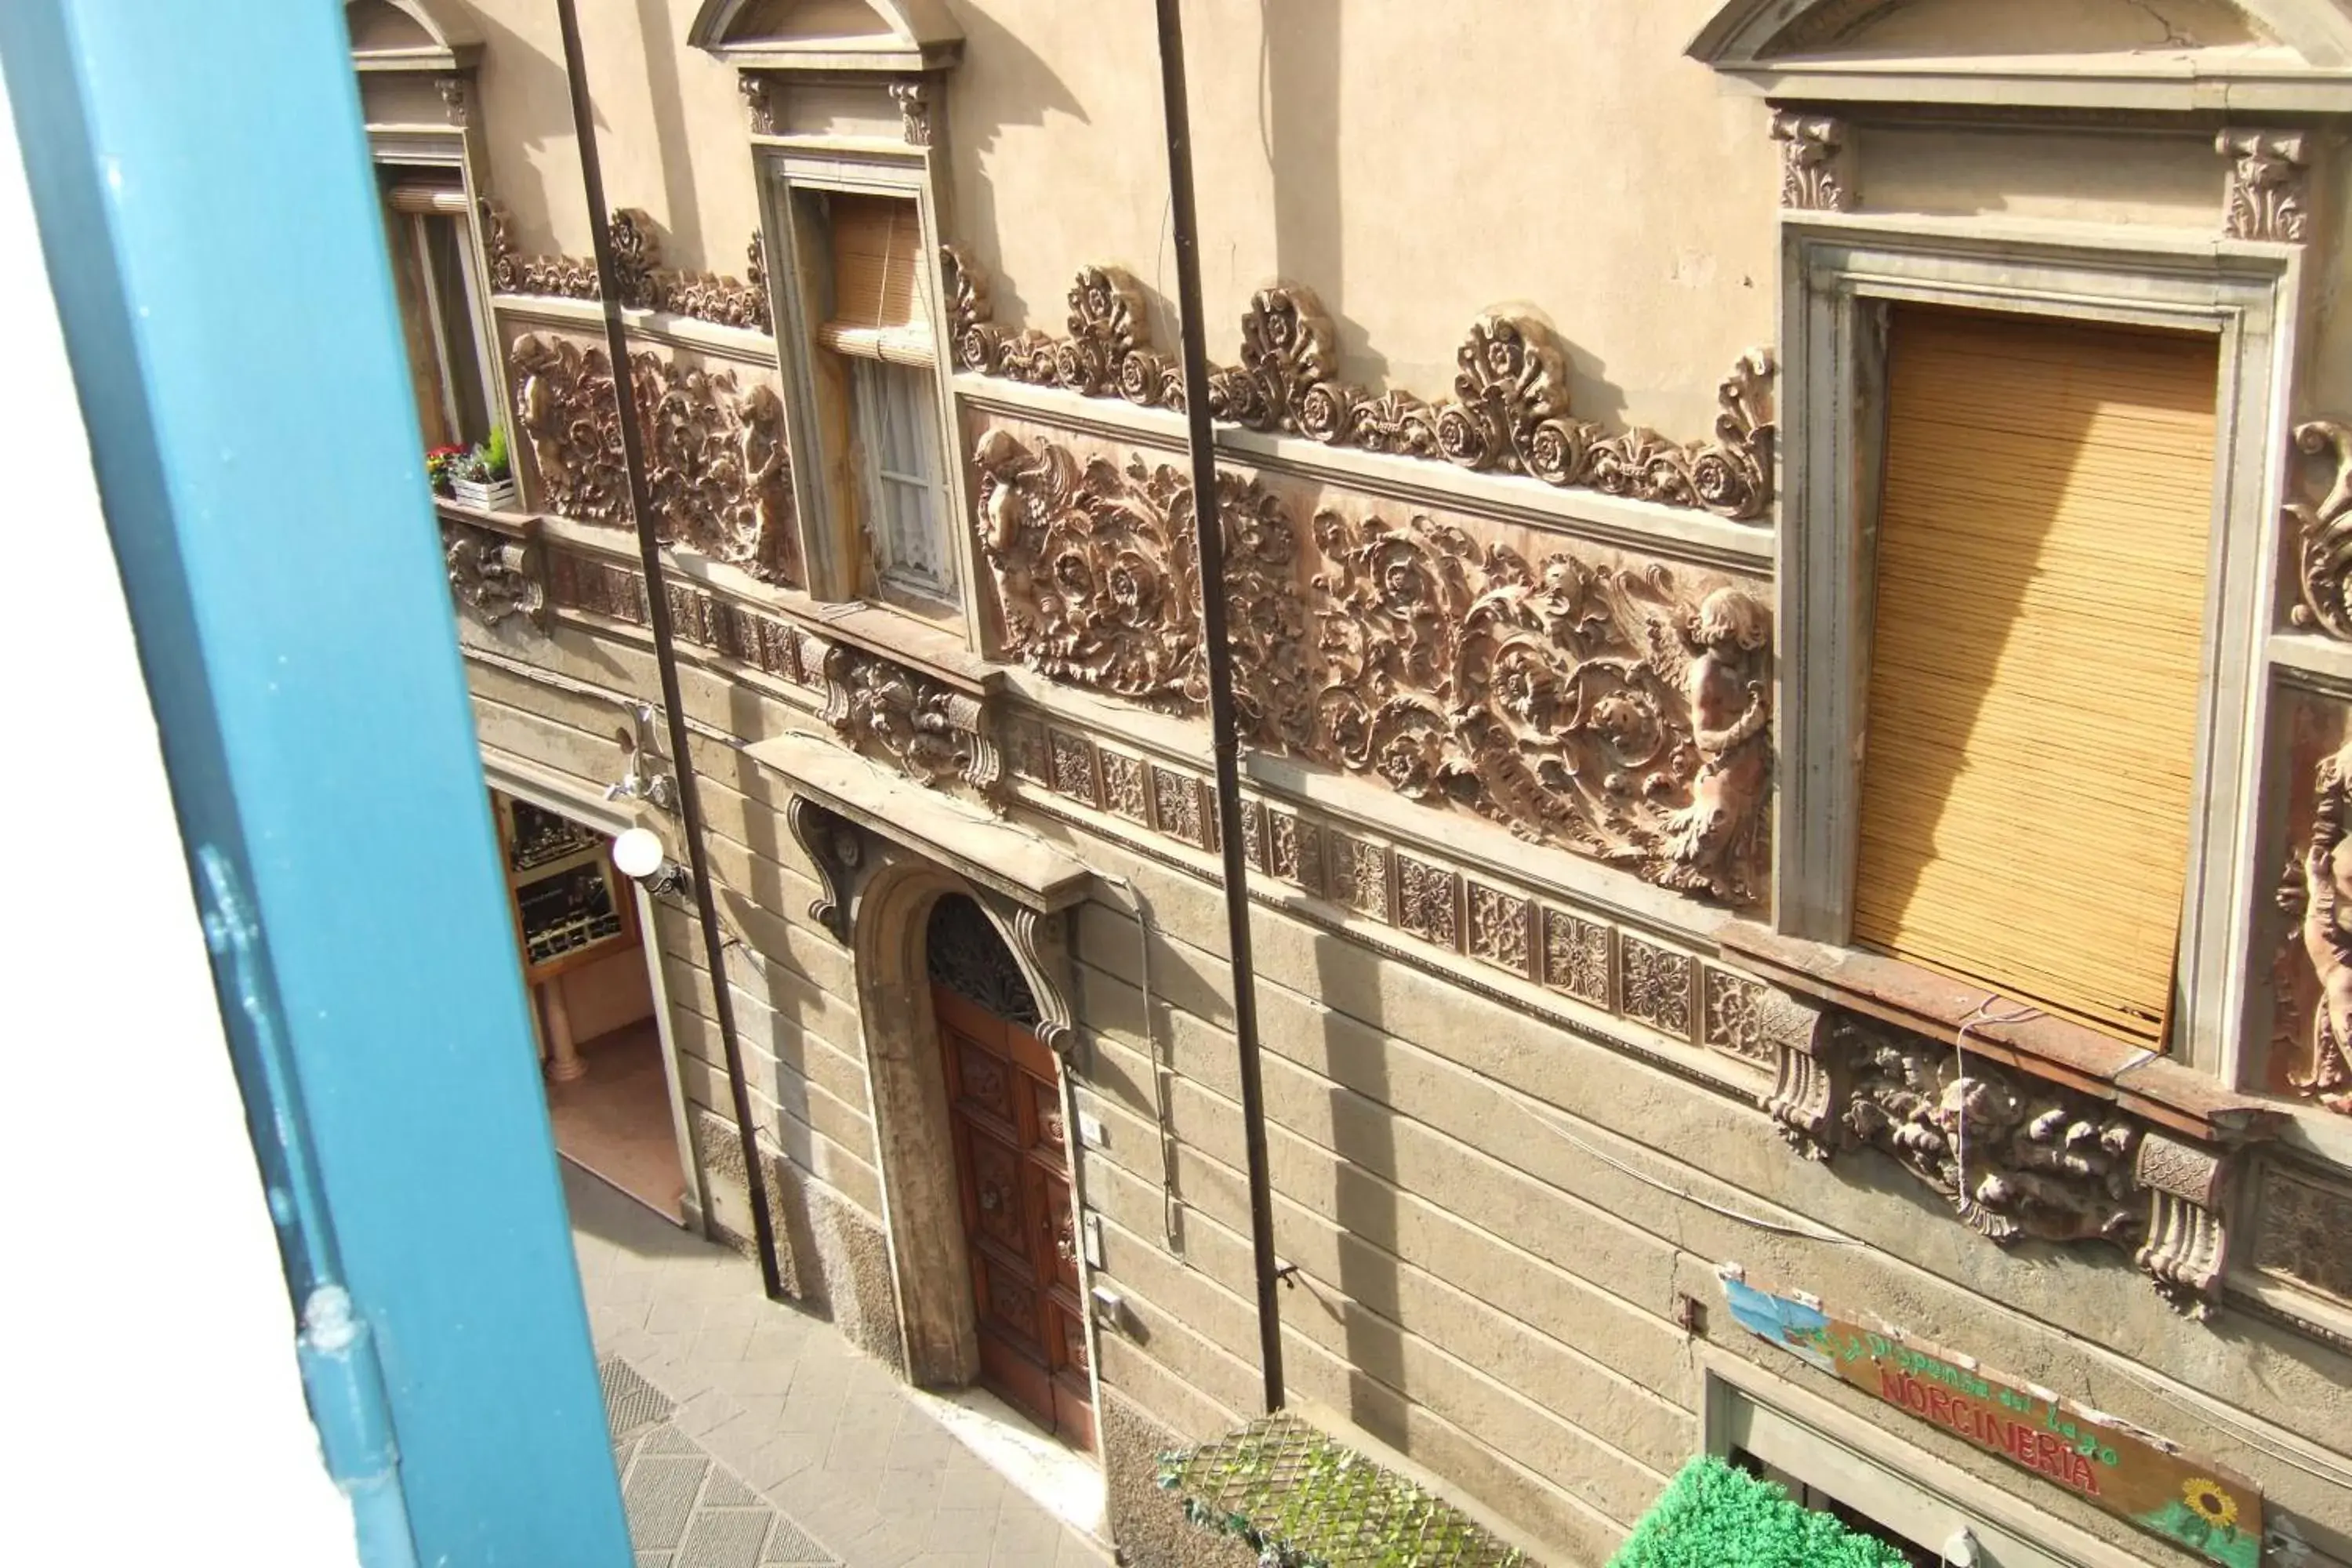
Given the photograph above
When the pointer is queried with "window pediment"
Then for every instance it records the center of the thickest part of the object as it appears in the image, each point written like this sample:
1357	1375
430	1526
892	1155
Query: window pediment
410	36
2278	56
830	35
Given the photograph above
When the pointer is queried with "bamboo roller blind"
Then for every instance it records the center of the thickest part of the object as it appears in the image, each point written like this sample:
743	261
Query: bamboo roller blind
878	308
2035	657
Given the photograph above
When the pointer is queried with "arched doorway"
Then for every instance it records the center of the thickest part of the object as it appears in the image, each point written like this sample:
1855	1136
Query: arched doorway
1012	1173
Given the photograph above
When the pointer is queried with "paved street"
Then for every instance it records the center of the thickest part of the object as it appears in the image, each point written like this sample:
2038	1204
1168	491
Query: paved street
751	1434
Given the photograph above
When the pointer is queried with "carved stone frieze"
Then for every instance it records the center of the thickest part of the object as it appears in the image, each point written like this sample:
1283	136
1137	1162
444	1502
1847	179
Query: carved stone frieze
774	646
2321	514
2017	1158
1429	901
2315	895
1509	413
644	283
1098	576
1123	787
719	470
1812	148
2269	171
1577	958
1655	985
1573	703
493	574
933	732
1498	928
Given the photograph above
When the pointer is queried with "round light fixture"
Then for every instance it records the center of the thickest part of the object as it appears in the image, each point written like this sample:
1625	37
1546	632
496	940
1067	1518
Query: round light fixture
638	853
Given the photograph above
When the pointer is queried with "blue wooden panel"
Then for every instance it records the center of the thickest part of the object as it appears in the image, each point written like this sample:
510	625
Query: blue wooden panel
209	218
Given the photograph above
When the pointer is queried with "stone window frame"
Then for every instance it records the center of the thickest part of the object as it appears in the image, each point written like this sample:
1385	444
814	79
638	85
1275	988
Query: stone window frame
789	166
1839	274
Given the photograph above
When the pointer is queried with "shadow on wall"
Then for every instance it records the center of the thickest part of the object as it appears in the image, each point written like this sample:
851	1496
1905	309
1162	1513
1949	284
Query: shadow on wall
659	33
525	99
1001	82
1298	126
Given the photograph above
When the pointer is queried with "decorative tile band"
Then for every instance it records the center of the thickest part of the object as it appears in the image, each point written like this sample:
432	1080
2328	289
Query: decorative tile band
1451	908
1509	413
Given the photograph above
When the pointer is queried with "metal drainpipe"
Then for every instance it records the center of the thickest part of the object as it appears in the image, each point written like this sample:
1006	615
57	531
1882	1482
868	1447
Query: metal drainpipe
1209	526
689	799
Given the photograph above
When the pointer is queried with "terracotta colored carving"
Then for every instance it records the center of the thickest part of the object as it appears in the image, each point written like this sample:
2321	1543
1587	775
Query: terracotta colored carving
2317	897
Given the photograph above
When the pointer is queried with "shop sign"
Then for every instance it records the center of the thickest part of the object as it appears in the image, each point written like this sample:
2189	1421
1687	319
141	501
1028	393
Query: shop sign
2110	1463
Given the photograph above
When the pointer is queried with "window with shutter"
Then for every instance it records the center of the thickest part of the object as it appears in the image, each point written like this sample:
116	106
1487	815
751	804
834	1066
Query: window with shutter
429	231
2036	658
880	326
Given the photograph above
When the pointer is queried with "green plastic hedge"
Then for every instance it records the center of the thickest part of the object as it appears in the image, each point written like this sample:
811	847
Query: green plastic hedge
1714	1516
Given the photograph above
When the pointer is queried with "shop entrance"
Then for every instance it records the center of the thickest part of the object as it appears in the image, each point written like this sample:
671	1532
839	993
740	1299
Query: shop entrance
1013	1175
590	965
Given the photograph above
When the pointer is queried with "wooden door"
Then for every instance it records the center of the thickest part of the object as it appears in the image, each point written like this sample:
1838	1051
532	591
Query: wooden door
1012	1167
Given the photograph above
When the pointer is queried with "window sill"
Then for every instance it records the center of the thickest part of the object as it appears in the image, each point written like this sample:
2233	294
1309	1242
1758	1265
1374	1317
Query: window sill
522	525
1933	1006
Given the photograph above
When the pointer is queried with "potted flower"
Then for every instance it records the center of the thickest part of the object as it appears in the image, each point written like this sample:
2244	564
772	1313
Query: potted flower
441	468
482	478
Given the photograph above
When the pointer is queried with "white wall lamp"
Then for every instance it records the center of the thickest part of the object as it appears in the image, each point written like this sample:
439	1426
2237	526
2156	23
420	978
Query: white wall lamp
639	855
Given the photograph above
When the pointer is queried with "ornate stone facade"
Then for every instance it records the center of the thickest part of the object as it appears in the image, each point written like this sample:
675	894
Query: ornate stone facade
2302	1232
2268	170
933	732
644	283
1602	708
2321	518
718	467
493	574
1509	413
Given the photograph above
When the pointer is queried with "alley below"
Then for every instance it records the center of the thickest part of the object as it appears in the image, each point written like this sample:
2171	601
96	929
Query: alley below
748	1433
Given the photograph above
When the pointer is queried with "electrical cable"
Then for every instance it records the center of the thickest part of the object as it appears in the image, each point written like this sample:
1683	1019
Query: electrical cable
1777	1228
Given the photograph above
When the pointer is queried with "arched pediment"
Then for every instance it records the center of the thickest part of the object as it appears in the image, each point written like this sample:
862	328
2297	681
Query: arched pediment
409	35
2213	55
839	34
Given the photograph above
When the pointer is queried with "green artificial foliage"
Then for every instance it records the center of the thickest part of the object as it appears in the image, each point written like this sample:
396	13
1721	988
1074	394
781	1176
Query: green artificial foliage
494	453
1714	1516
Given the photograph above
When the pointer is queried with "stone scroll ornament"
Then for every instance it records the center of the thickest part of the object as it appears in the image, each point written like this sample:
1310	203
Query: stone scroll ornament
2317	896
718	473
1097	574
1510	412
2322	518
1604	710
644	283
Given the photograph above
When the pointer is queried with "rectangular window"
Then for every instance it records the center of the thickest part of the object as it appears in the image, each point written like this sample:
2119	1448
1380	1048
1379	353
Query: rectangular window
429	230
879	330
2036	658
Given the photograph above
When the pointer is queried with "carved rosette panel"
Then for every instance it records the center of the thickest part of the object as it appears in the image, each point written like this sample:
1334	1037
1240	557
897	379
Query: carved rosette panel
1097	578
719	471
1509	413
1576	957
2302	1232
934	734
1655	986
1498	928
2017	1158
493	574
644	283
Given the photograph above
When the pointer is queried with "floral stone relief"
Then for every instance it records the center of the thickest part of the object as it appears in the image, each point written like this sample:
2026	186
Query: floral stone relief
1579	699
1509	413
2312	977
717	467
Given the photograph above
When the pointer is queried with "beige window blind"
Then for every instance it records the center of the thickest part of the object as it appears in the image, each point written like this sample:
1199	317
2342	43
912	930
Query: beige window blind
2035	658
879	308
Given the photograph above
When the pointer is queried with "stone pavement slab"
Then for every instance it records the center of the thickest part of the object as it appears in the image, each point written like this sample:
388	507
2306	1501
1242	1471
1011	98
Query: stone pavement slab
770	1400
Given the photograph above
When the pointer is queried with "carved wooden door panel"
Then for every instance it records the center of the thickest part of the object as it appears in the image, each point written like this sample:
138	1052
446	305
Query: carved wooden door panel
1004	1103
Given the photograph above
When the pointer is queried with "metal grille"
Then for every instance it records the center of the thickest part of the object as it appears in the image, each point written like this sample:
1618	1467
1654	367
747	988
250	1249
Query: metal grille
1301	1500
965	954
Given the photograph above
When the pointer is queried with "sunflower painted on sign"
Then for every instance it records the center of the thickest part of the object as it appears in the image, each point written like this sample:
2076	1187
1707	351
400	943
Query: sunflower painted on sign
2204	1518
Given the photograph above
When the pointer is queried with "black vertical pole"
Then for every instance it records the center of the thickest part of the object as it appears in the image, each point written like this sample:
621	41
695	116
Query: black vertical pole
689	799
1209	524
